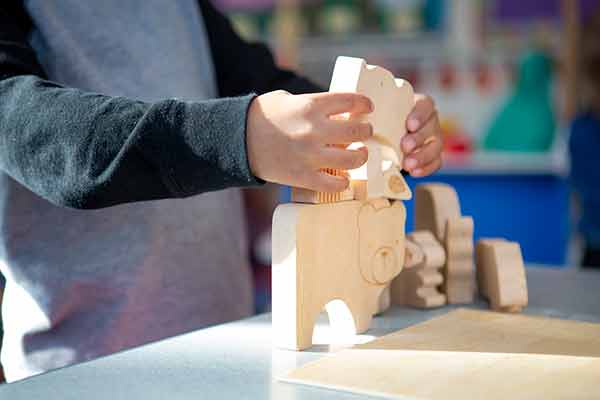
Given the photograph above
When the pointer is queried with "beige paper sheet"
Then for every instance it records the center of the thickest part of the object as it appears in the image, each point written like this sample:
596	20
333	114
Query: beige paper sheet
468	354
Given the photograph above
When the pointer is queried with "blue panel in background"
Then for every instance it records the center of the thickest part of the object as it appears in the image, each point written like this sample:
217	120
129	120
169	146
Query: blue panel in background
530	209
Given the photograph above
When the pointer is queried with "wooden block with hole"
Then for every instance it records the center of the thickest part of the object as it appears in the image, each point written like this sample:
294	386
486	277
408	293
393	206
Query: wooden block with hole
346	251
417	284
501	274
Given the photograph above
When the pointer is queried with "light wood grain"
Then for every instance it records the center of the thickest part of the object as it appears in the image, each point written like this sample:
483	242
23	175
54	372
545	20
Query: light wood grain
347	251
468	354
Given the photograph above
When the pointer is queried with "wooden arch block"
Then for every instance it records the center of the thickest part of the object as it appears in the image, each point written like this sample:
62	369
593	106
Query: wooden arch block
435	203
346	251
501	274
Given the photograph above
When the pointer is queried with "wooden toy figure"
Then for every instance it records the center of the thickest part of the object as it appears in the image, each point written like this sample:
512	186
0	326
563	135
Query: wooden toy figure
346	246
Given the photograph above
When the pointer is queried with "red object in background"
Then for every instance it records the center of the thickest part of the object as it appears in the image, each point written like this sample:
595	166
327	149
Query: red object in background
458	143
484	77
448	77
412	76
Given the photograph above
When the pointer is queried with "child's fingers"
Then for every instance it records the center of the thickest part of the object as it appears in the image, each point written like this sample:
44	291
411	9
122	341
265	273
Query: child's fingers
334	157
427	169
427	154
331	103
413	140
421	113
345	132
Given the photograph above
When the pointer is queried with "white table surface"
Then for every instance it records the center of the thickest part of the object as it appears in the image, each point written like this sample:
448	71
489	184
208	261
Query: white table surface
237	361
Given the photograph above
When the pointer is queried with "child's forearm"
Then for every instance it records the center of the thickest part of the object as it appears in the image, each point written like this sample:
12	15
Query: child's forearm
86	150
89	151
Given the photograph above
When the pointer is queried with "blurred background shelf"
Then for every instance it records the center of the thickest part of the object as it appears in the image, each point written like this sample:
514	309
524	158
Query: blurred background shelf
506	163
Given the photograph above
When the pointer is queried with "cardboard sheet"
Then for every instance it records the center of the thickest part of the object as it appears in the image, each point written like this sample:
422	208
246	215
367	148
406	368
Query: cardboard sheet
468	354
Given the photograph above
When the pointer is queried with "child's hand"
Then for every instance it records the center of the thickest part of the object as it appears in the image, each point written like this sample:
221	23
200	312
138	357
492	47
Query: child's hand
422	145
288	138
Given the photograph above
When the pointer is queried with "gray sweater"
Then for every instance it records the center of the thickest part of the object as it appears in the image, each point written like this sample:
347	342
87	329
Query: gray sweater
82	284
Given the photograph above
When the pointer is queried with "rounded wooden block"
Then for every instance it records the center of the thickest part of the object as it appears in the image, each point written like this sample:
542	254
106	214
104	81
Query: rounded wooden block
435	203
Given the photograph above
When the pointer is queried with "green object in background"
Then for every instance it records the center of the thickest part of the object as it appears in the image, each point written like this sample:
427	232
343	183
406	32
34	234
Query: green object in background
340	17
434	15
526	122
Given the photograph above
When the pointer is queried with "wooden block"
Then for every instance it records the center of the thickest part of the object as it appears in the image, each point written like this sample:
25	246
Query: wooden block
437	209
413	256
346	251
385	301
468	354
393	100
501	274
482	280
417	286
459	274
435	203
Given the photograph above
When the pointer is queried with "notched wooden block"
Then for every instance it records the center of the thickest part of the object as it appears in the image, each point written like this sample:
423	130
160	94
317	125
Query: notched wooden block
417	284
459	274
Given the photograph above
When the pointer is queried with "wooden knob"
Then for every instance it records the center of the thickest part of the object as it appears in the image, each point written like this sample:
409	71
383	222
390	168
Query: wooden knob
396	185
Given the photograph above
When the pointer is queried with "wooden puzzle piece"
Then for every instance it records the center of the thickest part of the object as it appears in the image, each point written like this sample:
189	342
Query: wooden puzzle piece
393	99
459	279
417	286
501	274
437	209
413	256
346	251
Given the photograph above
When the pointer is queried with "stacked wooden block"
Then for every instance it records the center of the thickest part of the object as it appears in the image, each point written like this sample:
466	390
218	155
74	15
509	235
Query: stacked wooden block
347	253
340	251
